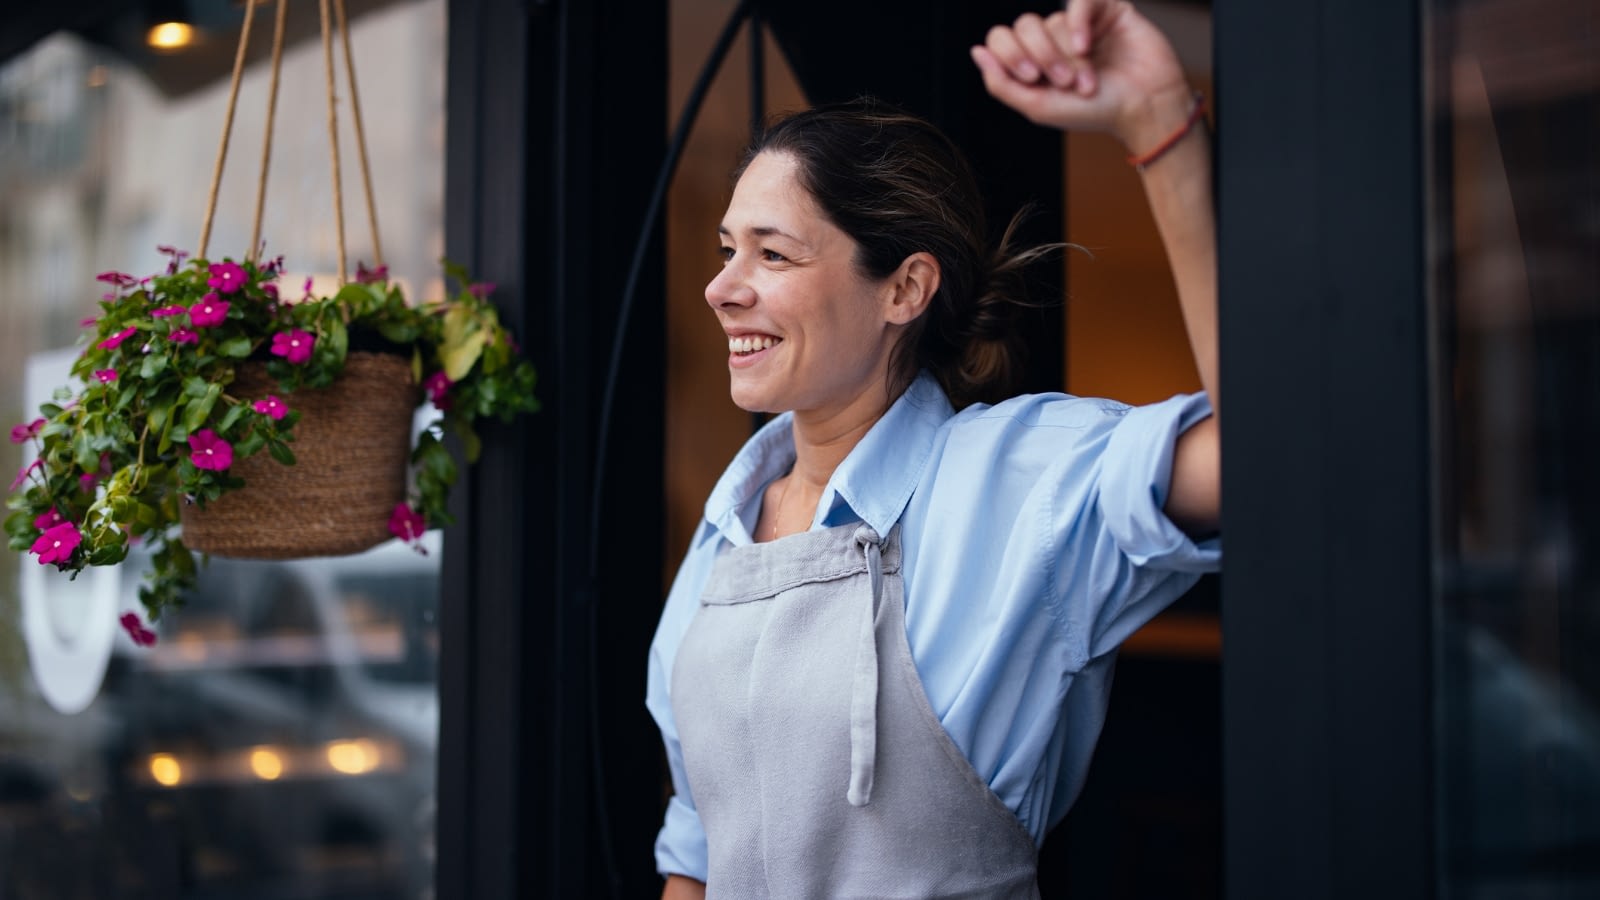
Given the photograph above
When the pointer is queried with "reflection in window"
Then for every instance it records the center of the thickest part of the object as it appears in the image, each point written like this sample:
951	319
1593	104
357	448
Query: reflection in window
1516	99
280	738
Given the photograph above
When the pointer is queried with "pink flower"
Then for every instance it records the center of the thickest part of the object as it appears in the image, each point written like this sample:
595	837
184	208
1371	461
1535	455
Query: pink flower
57	543
308	287
24	472
20	433
115	341
119	279
89	322
438	387
48	520
226	277
209	311
481	289
87	481
293	345
365	275
271	290
408	525
106	376
271	406
207	451
182	336
141	635
166	311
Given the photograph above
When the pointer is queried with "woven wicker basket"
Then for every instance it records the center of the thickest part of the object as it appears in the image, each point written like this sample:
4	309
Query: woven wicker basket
351	447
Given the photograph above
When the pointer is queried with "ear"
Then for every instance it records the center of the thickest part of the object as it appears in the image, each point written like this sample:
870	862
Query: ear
911	288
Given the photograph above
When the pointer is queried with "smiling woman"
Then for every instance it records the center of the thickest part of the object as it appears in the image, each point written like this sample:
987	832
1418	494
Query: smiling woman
885	661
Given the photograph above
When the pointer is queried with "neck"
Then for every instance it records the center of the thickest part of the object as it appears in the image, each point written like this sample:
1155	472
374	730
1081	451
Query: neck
822	439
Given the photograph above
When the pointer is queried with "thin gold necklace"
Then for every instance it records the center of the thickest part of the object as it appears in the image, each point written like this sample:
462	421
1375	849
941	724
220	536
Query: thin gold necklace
777	514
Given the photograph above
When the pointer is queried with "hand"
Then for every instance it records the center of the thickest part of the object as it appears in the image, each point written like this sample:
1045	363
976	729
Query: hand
1098	66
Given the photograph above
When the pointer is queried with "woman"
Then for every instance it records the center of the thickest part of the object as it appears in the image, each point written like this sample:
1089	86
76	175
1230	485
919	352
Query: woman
883	665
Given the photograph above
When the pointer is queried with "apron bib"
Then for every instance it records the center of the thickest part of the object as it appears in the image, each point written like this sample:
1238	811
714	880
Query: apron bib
817	766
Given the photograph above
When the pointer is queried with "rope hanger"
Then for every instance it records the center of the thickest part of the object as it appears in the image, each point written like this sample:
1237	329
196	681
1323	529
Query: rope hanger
272	104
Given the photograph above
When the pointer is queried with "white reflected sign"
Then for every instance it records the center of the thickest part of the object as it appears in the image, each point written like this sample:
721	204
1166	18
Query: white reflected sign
70	625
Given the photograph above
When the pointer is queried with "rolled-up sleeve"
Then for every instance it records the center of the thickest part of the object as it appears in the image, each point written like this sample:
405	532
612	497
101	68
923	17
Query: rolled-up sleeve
1135	474
681	843
1136	561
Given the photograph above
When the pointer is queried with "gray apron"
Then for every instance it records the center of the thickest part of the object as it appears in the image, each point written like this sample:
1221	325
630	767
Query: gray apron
817	766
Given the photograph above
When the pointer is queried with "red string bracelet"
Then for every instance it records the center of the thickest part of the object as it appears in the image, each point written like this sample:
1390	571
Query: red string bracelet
1141	161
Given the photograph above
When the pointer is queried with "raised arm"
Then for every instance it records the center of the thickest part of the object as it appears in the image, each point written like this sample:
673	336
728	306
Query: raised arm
1100	66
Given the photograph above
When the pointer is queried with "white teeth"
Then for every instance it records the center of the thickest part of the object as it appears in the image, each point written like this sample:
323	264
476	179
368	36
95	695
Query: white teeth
751	344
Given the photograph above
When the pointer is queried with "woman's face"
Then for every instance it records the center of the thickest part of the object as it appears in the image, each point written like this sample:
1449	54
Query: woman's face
806	330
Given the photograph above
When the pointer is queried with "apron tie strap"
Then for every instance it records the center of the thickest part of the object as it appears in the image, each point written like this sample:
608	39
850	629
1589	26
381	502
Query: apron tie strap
864	687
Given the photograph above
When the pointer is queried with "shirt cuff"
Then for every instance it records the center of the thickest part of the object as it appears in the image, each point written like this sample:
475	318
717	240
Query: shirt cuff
1134	484
681	845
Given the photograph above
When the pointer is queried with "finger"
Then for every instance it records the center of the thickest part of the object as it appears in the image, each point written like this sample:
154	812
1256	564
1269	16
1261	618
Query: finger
1042	50
1072	67
1002	43
1027	99
1080	16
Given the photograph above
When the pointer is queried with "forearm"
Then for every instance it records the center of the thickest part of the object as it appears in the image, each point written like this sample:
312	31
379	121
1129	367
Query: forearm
680	887
1178	186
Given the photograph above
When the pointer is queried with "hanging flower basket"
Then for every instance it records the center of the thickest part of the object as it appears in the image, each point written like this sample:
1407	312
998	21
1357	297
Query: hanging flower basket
353	442
208	401
217	414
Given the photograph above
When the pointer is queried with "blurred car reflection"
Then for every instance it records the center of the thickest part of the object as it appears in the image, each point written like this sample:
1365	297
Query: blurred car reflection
279	740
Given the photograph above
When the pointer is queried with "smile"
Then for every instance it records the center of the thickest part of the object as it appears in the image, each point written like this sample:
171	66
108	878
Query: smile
741	346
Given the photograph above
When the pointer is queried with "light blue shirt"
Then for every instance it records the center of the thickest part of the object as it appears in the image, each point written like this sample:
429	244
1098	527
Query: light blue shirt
1033	544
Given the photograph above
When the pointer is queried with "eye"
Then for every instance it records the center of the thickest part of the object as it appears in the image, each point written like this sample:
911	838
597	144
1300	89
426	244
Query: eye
725	253
772	256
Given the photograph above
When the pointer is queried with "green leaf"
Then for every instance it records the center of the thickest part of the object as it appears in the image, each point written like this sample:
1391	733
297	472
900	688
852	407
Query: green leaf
194	415
456	271
459	356
235	347
234	412
281	453
471	444
153	365
437	462
195	386
83	452
399	332
338	340
251	445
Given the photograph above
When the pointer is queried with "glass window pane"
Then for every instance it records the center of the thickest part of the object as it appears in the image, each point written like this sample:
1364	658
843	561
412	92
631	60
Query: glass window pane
1514	102
280	738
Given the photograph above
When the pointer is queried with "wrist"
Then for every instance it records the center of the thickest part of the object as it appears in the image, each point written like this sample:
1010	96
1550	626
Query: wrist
1156	117
1195	119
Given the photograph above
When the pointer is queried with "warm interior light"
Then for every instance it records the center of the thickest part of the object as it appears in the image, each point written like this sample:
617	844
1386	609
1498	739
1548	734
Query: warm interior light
165	770
170	36
353	757
267	764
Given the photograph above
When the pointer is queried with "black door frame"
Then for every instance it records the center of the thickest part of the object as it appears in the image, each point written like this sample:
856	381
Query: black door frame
1327	604
556	122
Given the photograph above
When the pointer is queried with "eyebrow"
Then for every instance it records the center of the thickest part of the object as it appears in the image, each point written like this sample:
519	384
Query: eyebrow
762	231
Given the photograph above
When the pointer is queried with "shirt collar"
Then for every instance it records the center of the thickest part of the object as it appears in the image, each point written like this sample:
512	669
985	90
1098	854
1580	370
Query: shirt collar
872	485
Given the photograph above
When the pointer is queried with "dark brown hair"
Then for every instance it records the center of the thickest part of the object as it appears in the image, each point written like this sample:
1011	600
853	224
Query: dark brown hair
897	185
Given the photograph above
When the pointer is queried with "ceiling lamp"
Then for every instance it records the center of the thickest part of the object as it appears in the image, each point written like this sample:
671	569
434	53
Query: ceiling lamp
170	36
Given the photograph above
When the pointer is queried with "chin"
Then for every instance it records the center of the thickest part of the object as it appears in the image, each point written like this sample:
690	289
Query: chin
751	398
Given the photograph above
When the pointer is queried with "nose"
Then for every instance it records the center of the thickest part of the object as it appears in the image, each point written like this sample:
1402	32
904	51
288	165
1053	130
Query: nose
730	288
